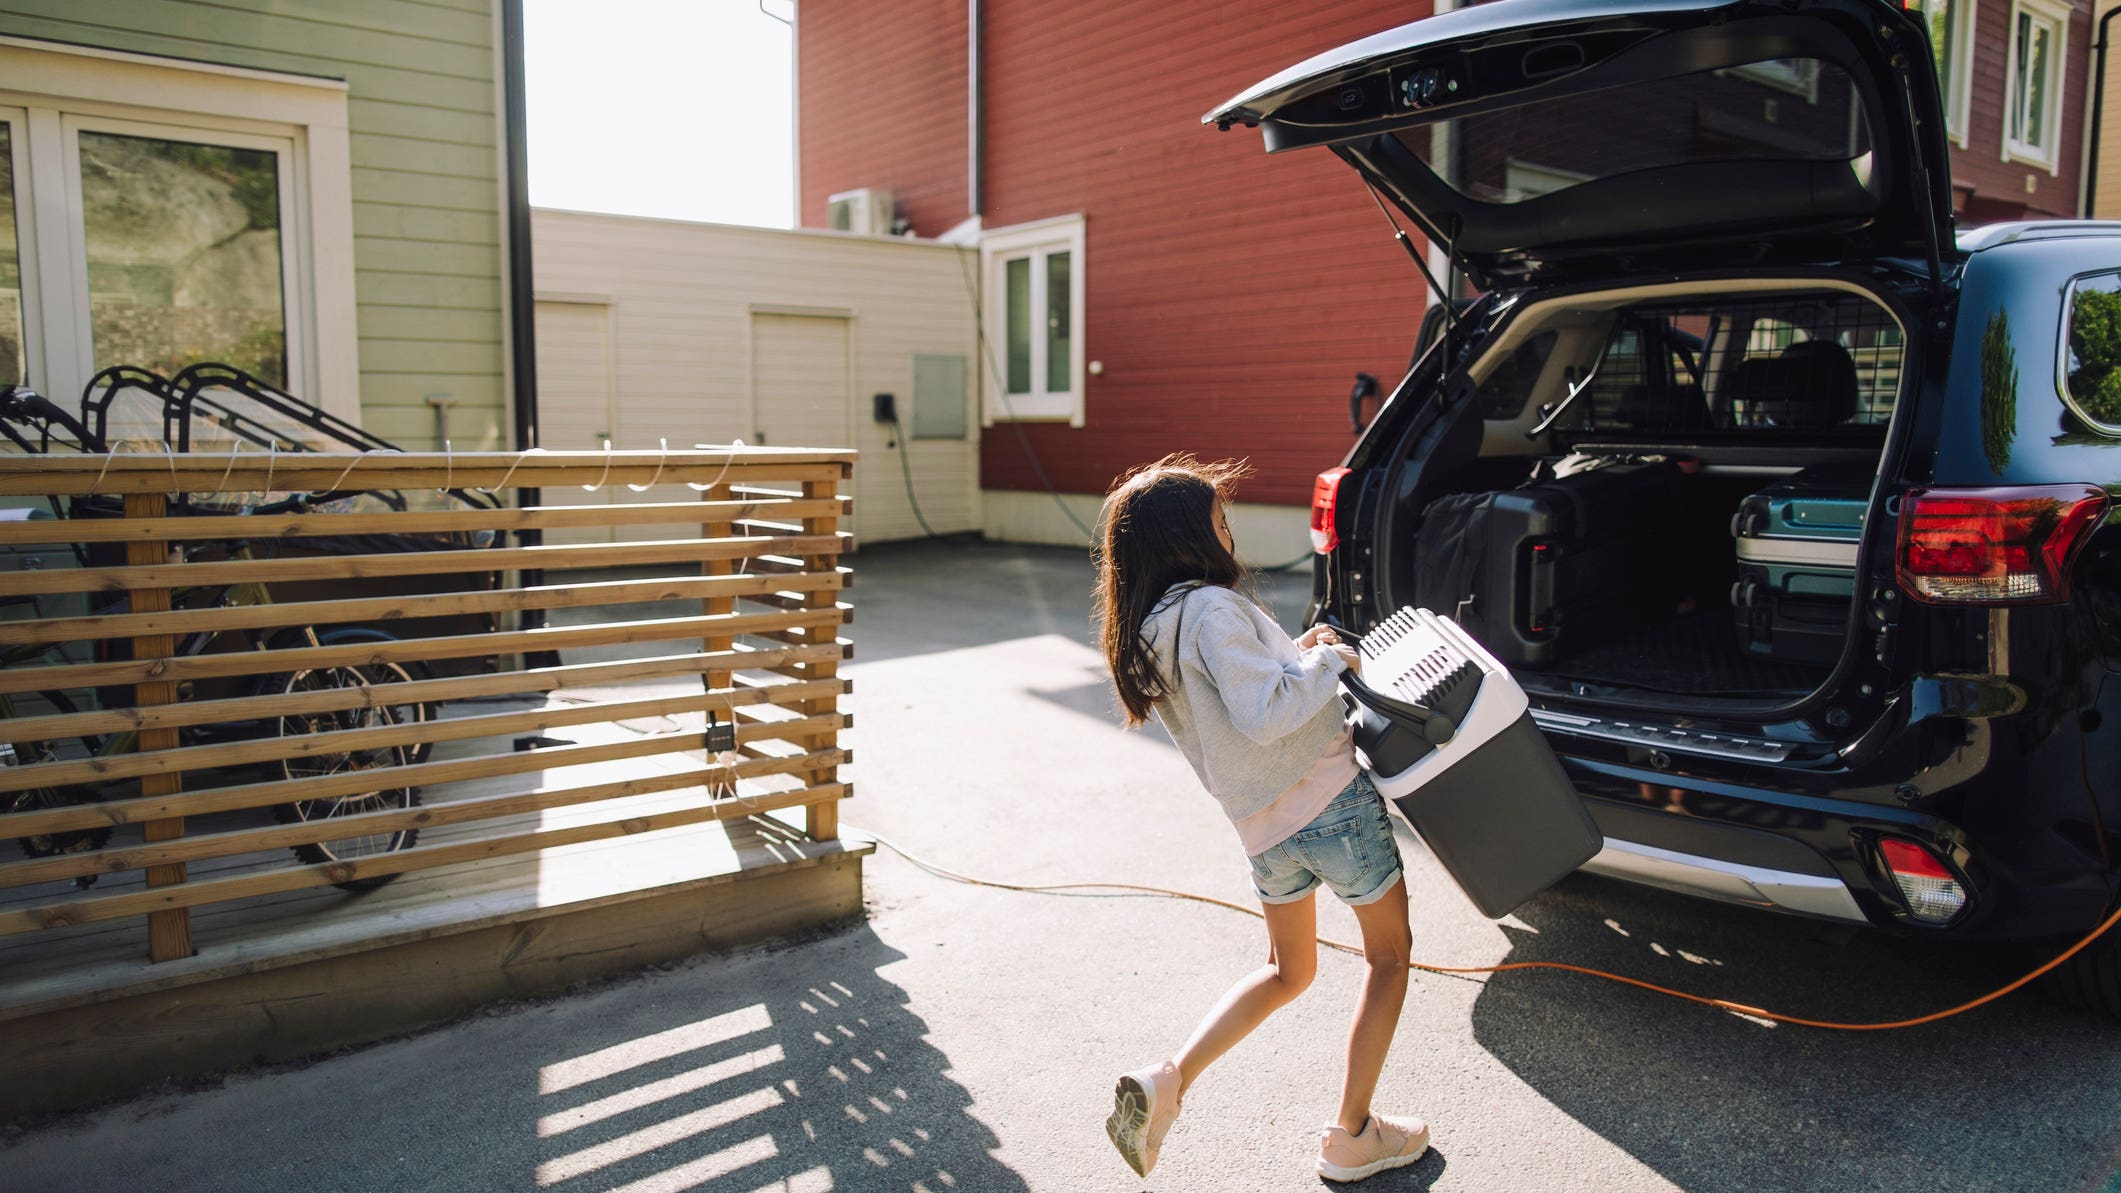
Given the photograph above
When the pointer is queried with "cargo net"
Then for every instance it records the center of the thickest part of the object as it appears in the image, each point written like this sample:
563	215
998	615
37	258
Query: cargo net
1821	363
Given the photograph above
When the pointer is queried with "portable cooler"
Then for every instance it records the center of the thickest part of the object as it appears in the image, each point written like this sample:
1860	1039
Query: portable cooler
1797	544
1448	737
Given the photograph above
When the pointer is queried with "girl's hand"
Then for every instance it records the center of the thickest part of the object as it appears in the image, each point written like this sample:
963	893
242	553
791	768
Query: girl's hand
1347	655
1318	635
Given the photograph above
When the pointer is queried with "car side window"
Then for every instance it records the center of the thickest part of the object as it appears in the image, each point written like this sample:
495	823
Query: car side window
1621	369
1506	390
2091	351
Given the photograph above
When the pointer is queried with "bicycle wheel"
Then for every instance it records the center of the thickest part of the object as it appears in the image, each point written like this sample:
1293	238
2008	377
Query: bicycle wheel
411	712
380	758
80	840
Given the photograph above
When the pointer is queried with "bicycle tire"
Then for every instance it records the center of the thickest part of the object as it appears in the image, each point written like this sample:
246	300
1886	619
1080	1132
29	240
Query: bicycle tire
383	798
419	712
79	840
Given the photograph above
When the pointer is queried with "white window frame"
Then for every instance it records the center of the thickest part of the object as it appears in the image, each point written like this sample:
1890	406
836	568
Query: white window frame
997	248
1956	79
57	91
2056	15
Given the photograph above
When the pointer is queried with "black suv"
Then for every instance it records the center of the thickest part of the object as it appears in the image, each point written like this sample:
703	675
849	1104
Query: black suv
1793	514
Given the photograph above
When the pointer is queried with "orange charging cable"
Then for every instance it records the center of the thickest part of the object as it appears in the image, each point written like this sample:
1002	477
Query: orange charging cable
1723	1004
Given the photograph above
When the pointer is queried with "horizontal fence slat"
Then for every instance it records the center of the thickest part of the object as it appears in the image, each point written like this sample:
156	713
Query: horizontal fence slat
532	681
406	563
422	774
385	610
340	741
286	527
465	811
251	472
421	857
456	646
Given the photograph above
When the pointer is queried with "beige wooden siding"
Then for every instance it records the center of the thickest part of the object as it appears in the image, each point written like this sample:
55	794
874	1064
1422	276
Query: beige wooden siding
426	196
693	302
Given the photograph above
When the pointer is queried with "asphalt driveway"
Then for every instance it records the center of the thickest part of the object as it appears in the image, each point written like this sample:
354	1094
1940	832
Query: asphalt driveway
966	1039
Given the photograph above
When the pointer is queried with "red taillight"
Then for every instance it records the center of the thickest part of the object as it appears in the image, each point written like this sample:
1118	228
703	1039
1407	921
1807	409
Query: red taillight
1994	546
1906	857
1325	503
1928	886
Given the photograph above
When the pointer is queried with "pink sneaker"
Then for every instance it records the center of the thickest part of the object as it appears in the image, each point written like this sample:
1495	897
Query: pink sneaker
1144	1104
1384	1143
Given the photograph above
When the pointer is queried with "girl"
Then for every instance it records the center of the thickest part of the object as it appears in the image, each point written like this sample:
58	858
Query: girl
1257	716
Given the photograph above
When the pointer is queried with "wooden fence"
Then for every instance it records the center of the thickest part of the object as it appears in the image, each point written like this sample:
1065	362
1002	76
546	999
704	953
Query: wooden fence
205	704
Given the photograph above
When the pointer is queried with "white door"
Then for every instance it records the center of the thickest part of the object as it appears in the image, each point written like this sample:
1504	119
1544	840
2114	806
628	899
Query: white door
575	401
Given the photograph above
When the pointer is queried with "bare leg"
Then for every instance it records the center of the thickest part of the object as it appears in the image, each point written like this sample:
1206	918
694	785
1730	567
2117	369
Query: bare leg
1386	946
1292	961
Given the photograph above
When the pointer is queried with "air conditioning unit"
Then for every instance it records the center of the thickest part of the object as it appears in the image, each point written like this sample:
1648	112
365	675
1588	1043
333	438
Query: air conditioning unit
866	212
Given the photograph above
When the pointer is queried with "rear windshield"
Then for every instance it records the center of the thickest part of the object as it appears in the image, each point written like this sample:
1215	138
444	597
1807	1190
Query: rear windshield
1790	109
1818	362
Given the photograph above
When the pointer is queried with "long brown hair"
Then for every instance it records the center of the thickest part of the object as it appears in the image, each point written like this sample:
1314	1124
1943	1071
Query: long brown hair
1157	529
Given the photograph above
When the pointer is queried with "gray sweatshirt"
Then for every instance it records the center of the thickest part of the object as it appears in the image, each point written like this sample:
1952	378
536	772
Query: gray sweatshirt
1248	709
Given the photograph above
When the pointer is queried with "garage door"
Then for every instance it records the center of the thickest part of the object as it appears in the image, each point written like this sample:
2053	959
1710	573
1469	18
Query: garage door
575	410
799	380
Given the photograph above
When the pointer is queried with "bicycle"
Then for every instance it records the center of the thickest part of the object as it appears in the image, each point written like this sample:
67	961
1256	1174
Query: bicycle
30	421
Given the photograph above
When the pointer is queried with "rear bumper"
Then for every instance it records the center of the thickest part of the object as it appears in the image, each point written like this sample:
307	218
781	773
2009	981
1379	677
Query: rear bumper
1821	897
1810	856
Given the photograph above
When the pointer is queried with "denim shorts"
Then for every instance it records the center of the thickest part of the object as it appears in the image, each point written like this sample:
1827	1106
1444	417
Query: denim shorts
1349	847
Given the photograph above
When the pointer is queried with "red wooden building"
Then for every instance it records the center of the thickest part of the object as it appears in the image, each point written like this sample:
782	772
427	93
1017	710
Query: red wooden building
1147	284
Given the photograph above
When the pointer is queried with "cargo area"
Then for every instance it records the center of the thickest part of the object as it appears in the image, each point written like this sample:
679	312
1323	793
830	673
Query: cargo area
1671	493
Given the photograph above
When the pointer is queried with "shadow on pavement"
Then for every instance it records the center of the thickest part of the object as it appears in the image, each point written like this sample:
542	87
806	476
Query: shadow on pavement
816	1075
2021	1093
800	1070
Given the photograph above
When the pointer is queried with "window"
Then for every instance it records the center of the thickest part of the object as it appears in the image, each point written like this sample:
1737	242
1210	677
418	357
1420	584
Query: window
1951	30
2091	352
1528	180
1798	76
2033	91
1826	361
185	250
1504	392
136	233
14	366
1791	110
1034	311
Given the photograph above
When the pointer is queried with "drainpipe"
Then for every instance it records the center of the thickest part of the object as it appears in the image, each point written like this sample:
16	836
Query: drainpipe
974	200
522	302
522	307
2091	166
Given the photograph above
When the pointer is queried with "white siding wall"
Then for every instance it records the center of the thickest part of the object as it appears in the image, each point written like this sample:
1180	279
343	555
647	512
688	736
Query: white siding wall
686	298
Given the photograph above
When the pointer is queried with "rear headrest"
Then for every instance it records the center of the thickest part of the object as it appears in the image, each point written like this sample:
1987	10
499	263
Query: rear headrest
1809	385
